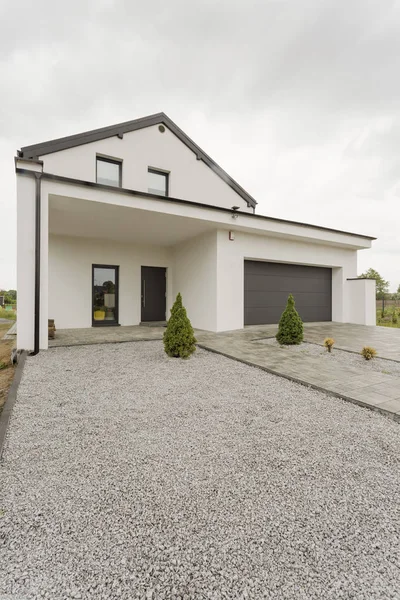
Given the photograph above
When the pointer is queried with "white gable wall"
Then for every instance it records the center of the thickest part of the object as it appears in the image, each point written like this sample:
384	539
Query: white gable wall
190	179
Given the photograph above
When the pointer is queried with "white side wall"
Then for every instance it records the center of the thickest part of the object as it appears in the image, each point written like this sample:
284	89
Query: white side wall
230	271
70	278
195	277
26	262
190	179
361	297
26	224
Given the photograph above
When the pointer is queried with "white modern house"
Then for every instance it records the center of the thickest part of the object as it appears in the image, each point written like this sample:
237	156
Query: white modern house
113	223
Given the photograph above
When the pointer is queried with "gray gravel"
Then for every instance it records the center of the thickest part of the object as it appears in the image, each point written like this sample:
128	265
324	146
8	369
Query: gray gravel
131	475
350	359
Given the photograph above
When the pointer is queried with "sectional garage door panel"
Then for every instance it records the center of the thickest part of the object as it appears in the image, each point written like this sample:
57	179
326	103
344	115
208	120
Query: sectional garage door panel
267	286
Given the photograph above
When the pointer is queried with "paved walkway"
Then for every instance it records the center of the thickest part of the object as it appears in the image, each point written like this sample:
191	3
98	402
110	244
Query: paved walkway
104	335
378	391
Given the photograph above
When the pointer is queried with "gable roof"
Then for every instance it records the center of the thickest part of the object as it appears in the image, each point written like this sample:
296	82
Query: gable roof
36	150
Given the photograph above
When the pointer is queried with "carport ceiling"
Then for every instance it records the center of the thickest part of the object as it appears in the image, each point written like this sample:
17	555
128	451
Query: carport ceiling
83	218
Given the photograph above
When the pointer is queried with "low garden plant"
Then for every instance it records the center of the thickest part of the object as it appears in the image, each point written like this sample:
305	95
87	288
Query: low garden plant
328	343
368	352
179	340
390	317
290	325
7	314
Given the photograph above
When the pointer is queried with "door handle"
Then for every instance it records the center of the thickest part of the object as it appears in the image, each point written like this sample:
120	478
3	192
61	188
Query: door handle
144	294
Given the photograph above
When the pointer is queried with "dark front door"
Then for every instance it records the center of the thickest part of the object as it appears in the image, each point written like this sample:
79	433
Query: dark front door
153	293
267	286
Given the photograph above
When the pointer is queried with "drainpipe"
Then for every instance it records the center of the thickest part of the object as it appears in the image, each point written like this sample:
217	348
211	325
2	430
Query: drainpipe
38	179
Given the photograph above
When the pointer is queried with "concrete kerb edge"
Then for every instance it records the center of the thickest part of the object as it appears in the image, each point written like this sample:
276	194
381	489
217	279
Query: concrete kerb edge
10	401
73	345
393	416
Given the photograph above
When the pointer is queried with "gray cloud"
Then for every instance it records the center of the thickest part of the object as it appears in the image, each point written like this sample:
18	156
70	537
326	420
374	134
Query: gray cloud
297	100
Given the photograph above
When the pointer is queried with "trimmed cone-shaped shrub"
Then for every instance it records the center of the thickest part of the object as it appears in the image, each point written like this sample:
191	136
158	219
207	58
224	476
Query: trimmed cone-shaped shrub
179	340
290	325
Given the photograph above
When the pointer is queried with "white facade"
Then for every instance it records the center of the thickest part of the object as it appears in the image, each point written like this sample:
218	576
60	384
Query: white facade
231	257
83	225
70	277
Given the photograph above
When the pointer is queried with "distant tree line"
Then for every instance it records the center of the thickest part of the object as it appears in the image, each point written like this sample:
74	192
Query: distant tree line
382	286
10	296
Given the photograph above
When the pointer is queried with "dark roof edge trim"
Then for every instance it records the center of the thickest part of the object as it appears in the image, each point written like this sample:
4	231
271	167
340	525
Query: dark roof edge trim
362	278
111	188
32	161
36	150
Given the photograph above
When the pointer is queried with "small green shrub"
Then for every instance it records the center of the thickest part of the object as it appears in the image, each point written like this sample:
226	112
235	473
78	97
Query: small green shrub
2	365
179	340
367	352
290	325
394	316
328	343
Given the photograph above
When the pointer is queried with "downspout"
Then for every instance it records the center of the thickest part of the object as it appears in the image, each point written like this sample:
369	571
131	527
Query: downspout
38	214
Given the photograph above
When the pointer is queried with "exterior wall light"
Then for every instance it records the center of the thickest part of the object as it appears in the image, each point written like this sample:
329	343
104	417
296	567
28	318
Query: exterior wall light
235	214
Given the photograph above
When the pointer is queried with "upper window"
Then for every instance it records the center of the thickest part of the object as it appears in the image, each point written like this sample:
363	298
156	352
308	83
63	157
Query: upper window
158	182
108	171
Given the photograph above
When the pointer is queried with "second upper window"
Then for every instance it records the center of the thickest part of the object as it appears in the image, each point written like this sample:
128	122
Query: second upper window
158	182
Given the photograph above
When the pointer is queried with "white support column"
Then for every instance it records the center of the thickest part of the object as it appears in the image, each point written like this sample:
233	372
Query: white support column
362	303
338	295
26	232
44	268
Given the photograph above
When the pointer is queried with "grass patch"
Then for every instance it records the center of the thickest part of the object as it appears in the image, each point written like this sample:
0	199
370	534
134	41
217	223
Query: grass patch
7	314
6	368
387	320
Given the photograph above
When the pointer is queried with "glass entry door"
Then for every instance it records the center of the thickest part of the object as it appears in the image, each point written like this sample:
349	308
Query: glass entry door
105	295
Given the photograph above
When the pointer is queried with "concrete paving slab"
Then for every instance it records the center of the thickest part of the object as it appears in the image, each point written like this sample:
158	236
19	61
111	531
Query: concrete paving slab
369	396
391	391
391	405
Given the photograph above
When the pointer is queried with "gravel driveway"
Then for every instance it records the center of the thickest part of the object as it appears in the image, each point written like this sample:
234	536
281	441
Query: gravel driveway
132	475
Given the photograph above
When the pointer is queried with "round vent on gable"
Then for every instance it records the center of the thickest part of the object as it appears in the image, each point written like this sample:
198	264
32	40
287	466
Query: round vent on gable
161	128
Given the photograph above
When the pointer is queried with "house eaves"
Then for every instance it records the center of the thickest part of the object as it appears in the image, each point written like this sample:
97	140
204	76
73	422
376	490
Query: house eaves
157	198
36	151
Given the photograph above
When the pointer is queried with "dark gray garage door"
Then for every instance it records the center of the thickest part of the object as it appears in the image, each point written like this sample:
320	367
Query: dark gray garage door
267	286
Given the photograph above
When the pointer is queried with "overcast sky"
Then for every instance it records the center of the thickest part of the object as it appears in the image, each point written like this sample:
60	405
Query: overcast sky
298	100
